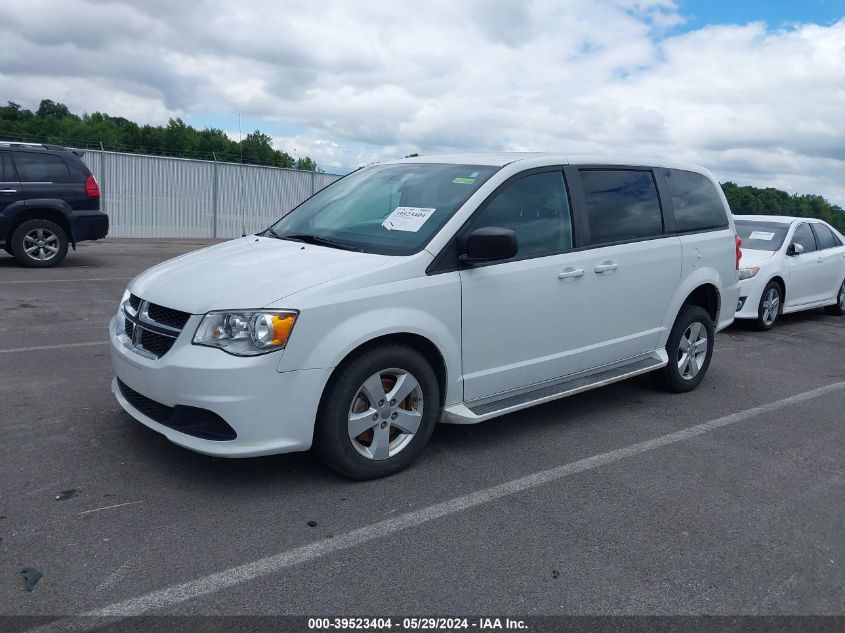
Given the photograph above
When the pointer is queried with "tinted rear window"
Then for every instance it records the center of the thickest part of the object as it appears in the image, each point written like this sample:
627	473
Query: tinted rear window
696	201
37	167
621	205
761	236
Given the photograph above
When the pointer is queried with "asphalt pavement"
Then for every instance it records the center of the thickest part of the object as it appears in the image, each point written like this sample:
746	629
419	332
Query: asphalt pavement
623	500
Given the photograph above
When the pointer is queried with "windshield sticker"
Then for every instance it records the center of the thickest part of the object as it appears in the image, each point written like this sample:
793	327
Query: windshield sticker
474	174
407	218
463	181
761	235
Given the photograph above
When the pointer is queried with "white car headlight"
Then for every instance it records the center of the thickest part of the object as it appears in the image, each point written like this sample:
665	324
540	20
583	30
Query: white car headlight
747	273
246	332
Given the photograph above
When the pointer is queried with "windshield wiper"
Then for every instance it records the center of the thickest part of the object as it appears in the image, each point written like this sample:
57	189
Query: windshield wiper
320	241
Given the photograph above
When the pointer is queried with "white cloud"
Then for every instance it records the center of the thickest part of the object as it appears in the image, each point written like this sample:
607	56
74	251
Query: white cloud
370	80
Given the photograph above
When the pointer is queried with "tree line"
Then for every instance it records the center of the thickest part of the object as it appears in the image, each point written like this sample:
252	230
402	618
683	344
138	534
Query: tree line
770	201
54	123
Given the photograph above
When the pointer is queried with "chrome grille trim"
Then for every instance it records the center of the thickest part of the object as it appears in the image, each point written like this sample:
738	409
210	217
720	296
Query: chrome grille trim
141	323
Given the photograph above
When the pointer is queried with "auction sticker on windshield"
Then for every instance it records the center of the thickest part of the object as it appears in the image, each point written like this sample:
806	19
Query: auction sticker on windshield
761	235
407	218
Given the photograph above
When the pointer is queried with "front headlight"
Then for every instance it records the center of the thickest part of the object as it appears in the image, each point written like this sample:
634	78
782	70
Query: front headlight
246	332
747	273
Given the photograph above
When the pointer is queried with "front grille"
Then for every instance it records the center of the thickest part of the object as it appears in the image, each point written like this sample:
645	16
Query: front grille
152	329
195	421
168	316
156	343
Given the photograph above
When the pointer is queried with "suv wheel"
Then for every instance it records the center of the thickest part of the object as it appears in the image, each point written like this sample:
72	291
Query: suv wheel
39	244
690	348
378	412
838	309
769	308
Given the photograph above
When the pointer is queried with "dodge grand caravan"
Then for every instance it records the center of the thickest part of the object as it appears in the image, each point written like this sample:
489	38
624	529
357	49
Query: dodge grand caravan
453	288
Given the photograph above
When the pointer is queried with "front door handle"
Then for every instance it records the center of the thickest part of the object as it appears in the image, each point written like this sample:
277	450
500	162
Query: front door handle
606	267
570	273
8	190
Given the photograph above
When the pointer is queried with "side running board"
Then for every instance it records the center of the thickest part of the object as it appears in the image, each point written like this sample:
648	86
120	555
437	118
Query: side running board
480	410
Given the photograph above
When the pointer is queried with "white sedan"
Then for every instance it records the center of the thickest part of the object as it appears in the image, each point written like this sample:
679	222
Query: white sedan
788	264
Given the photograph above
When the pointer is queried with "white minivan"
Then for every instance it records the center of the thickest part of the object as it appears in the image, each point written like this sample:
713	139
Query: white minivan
449	288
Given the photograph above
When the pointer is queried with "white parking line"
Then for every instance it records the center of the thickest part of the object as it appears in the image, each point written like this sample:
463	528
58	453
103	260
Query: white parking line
273	564
56	281
37	348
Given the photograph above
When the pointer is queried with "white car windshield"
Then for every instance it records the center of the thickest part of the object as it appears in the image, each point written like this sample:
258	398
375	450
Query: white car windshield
761	236
387	209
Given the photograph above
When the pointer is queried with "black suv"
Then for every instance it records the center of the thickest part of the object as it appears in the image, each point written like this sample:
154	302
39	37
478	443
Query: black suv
48	198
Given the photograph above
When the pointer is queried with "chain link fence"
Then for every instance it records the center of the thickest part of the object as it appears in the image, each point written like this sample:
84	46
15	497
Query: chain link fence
158	196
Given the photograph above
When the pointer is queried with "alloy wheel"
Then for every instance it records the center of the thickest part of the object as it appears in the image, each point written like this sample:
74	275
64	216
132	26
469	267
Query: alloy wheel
771	305
692	350
385	414
41	244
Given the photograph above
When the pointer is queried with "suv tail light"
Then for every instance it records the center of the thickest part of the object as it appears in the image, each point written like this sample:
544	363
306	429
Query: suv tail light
92	189
738	250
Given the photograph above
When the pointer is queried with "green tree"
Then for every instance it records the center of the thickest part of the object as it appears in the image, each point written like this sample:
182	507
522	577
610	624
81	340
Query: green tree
53	122
770	201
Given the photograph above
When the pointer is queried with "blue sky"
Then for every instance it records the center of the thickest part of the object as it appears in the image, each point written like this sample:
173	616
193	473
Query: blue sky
775	13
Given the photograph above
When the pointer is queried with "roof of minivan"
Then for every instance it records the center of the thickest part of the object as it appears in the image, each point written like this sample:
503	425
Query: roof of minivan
500	159
786	219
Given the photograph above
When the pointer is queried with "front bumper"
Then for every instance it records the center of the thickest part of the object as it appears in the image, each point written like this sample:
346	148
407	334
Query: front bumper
750	292
270	411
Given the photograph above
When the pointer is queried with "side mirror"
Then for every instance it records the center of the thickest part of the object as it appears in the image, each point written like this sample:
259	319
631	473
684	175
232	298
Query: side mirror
794	249
487	244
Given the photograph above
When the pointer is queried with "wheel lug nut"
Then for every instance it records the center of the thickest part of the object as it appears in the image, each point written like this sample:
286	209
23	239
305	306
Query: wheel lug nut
394	416
381	403
375	416
383	424
393	403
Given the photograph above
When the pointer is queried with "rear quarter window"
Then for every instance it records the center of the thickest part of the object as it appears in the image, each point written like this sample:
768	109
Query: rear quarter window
696	201
38	167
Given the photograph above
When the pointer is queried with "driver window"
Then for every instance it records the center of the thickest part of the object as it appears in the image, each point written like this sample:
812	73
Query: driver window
804	237
536	209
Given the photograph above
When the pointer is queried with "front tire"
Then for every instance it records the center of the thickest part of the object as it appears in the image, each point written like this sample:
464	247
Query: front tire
769	307
838	309
378	412
690	348
39	243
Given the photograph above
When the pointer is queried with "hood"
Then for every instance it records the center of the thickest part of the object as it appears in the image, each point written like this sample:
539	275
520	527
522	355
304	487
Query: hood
753	257
249	272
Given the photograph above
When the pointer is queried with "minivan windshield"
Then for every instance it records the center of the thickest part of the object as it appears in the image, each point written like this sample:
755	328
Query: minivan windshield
761	236
386	209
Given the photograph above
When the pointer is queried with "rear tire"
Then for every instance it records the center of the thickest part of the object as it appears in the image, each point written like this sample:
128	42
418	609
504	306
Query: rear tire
39	243
838	309
690	348
362	431
768	310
